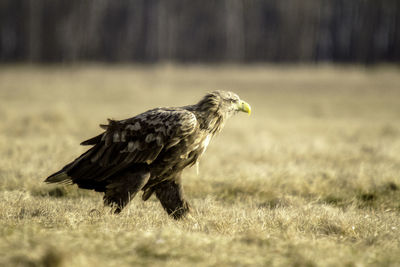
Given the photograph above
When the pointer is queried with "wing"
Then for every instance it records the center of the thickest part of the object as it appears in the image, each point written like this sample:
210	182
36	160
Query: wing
141	139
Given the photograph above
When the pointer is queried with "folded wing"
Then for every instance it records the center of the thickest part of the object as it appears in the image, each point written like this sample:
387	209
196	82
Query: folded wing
138	140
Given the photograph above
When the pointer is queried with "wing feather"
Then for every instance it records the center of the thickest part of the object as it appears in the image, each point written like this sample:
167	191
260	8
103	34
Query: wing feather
142	138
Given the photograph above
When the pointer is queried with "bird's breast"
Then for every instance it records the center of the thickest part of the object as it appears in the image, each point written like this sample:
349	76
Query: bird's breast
181	156
205	143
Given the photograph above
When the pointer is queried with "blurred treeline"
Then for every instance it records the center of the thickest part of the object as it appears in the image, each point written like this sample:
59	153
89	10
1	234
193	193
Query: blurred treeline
363	31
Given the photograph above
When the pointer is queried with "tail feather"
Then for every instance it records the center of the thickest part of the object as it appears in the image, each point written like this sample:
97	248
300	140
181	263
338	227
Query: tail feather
59	177
83	172
88	174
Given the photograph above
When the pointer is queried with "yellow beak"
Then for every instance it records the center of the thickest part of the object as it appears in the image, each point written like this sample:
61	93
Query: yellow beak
245	107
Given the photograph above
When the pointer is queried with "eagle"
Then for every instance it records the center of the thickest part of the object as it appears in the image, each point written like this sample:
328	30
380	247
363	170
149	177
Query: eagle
148	152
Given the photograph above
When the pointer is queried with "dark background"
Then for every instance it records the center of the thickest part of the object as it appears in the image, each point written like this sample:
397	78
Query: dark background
356	31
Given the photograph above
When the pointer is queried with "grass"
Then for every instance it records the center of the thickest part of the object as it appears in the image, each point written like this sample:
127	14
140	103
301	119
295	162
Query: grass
312	178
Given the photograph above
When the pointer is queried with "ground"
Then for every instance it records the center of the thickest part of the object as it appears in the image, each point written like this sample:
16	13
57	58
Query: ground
311	178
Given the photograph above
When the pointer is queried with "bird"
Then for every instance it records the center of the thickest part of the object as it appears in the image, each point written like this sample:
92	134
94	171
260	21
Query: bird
149	151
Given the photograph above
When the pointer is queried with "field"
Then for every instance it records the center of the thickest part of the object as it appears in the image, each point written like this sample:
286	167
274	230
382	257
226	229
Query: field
311	178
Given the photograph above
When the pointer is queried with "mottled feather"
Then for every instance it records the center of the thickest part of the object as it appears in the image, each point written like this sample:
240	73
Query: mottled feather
148	152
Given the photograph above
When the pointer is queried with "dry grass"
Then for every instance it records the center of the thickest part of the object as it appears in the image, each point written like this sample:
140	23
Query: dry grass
311	179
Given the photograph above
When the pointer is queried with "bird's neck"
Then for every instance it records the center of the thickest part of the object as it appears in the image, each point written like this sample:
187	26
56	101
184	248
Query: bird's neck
211	121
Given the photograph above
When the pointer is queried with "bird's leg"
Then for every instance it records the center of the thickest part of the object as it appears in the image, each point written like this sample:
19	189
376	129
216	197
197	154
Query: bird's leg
170	194
124	188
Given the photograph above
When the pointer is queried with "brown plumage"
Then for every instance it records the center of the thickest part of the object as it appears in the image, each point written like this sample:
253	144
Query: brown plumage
149	151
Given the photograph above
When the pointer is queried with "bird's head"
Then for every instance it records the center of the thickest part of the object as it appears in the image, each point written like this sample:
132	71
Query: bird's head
224	102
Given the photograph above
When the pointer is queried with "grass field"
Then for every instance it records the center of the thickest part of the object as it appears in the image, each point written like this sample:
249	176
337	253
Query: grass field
312	178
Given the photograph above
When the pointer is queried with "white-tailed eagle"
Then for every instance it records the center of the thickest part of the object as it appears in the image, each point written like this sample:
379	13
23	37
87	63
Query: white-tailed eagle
148	152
